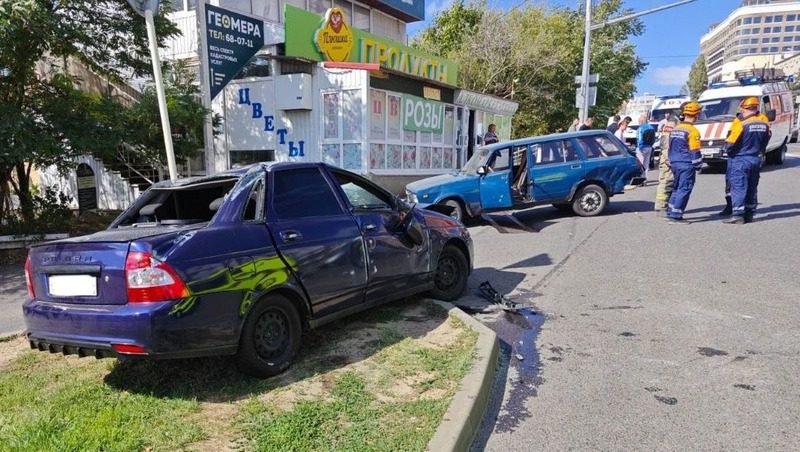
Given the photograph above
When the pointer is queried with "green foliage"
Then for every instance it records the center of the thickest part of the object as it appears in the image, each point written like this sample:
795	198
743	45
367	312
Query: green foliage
698	77
51	213
48	119
537	50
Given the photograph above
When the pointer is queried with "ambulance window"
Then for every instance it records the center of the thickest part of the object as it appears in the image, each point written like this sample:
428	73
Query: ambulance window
767	106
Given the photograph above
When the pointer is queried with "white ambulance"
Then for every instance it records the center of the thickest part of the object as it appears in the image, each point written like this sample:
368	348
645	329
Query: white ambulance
721	103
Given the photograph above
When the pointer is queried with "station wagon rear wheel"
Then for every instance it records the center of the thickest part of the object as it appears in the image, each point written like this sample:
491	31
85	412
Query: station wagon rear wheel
450	276
270	337
591	200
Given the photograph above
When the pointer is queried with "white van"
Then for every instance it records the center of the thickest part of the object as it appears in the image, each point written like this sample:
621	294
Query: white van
721	103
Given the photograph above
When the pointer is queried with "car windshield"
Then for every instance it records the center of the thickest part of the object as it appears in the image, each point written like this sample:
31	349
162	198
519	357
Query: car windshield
477	160
714	109
658	115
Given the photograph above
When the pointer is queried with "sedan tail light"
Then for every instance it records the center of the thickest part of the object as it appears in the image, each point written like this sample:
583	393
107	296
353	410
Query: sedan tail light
149	279
29	278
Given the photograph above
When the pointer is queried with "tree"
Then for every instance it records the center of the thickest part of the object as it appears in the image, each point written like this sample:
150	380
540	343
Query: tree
451	28
46	119
698	77
538	50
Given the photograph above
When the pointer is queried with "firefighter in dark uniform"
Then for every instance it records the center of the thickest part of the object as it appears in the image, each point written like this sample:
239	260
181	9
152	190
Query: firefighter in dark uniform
685	159
745	145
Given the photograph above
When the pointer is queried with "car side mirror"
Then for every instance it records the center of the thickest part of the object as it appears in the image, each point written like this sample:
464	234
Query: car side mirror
771	115
482	171
414	233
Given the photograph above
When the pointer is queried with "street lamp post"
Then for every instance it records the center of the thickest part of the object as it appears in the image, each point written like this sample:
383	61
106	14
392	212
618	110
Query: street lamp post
147	8
584	90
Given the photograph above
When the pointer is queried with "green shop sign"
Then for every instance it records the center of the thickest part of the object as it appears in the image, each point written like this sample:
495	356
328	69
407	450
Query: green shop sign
319	39
422	115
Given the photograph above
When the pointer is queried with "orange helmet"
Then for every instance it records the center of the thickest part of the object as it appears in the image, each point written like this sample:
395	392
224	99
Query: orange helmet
750	103
691	108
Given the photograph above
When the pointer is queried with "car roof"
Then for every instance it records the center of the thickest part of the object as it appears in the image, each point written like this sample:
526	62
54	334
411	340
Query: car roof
549	137
236	173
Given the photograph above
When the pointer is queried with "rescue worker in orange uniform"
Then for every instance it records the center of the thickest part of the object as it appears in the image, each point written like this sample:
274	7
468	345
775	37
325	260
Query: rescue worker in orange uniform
745	145
685	159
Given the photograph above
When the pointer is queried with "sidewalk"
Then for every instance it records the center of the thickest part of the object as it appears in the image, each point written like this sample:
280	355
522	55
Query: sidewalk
12	294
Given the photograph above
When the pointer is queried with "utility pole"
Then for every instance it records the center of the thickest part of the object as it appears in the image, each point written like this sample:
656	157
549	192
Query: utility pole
587	43
147	8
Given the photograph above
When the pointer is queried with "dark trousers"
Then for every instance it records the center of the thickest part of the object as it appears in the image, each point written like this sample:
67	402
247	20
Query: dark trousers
682	188
744	173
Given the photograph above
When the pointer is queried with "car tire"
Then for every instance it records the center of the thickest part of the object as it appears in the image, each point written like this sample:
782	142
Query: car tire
779	155
450	276
459	213
270	337
591	200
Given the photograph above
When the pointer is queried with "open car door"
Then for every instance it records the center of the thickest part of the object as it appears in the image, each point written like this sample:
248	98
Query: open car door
495	183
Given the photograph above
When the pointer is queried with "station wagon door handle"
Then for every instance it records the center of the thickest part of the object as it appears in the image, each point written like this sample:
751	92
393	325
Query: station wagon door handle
576	166
291	236
369	227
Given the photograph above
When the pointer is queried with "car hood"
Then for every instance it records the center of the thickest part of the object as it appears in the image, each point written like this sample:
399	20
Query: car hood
452	181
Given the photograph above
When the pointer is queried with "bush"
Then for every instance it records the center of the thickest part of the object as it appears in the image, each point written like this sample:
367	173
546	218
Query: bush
51	213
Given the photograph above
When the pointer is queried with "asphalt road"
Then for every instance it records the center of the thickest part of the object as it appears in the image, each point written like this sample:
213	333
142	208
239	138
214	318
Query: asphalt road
648	336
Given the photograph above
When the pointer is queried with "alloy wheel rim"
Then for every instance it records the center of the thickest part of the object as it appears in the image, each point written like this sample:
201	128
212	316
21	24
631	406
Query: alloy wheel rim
271	334
590	201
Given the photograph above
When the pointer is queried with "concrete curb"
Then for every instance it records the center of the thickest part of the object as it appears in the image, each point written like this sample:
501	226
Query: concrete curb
4	337
463	417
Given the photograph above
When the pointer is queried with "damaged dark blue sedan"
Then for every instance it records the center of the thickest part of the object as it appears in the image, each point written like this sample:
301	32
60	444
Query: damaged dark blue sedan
239	263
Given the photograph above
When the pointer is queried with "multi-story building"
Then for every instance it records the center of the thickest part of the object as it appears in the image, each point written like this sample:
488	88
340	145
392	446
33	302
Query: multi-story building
362	110
759	33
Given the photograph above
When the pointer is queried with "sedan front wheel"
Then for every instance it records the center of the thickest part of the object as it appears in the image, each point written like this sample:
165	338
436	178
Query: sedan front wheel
450	277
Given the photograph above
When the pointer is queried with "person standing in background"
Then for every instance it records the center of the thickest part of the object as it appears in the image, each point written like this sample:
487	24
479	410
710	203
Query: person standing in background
665	176
645	138
620	132
574	126
491	135
614	124
587	123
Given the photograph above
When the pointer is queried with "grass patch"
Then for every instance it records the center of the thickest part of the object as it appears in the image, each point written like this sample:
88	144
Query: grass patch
393	401
381	381
57	403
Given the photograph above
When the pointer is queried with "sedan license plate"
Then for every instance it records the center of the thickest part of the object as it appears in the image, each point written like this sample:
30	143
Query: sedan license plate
712	152
72	285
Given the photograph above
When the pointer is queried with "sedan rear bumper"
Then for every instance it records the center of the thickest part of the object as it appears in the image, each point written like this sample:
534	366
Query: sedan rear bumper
93	330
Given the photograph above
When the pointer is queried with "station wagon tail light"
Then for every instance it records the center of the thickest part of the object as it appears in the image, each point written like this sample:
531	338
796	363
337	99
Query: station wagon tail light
152	280
29	277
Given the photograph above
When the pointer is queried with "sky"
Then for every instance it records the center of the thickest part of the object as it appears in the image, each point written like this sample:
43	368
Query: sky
670	42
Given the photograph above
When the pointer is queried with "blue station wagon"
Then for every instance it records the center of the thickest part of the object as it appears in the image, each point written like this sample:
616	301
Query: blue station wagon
239	263
578	171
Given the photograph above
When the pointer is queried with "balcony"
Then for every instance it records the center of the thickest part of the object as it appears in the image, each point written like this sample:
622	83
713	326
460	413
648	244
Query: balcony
183	46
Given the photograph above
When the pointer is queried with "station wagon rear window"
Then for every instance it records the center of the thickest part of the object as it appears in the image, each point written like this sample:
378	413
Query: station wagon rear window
600	146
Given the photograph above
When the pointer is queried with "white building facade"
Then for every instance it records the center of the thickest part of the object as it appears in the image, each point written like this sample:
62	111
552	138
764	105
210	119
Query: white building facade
297	102
757	34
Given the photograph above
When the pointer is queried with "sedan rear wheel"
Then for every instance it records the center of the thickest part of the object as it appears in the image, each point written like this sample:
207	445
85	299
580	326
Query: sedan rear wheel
270	338
450	278
591	200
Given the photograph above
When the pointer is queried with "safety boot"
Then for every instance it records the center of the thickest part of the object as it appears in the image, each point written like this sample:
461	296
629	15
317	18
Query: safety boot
728	210
735	220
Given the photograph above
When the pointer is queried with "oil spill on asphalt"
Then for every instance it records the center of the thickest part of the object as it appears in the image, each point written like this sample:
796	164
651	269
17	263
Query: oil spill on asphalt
627	334
744	386
518	332
667	400
711	352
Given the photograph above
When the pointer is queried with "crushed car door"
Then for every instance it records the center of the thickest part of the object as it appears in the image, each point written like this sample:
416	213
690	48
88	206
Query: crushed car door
396	265
496	180
318	238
